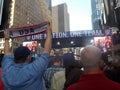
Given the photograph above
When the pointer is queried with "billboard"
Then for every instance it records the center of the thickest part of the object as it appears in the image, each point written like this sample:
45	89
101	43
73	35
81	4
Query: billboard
71	34
31	45
104	43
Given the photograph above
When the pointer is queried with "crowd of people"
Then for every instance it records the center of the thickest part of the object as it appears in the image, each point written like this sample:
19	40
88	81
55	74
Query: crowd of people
57	72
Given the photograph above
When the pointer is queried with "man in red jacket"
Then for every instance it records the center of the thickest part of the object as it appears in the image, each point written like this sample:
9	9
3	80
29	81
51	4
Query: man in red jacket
93	78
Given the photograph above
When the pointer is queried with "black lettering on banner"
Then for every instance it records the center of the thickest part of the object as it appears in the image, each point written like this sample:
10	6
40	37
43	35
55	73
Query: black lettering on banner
26	31
31	30
10	32
21	32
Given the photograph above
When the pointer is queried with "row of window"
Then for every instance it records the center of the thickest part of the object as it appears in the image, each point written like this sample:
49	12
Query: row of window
27	15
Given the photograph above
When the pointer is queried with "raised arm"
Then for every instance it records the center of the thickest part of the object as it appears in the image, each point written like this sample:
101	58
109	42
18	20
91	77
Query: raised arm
6	44
40	64
48	41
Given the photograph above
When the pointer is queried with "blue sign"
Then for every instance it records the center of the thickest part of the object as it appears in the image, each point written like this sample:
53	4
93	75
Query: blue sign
84	33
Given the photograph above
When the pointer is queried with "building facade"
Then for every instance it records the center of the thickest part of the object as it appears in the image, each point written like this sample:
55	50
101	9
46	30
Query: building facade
63	18
28	12
49	4
24	13
111	19
105	14
98	14
60	18
117	12
55	22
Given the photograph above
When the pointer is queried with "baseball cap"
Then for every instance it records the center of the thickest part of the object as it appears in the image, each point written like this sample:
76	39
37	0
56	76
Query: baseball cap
21	53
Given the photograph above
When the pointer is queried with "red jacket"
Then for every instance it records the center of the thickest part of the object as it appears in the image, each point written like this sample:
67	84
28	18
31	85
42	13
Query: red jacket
1	84
94	82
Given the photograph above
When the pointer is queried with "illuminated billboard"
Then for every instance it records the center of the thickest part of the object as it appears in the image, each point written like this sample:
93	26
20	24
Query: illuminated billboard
104	43
31	45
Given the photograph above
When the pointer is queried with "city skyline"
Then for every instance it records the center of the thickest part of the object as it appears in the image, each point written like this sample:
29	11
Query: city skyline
80	13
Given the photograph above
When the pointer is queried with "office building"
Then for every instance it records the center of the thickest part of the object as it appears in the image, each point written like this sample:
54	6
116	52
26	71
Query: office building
111	19
55	22
98	14
28	12
49	4
117	12
105	14
60	18
19	13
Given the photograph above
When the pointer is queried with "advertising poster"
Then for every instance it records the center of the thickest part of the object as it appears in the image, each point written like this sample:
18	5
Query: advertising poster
103	43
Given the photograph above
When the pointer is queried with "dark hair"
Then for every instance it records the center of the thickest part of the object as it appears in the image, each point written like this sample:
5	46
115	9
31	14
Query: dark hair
113	72
68	59
72	74
57	59
20	54
54	59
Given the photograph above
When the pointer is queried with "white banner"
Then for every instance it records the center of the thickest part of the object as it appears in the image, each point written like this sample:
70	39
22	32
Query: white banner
28	30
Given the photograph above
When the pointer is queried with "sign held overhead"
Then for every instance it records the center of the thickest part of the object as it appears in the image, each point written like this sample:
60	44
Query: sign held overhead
28	30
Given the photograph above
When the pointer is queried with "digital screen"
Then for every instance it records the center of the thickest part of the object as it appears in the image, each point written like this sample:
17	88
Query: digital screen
104	43
31	45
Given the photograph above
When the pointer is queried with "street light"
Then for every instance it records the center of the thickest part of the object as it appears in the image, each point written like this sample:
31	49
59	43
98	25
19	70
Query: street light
72	42
91	41
58	43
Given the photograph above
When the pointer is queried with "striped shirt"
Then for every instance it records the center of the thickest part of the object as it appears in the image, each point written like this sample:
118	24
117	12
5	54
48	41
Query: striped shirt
49	74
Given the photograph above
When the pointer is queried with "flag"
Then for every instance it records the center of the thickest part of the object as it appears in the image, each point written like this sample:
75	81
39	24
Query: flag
28	30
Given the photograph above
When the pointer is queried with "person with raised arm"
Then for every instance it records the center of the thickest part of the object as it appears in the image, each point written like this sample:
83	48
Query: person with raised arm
18	72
